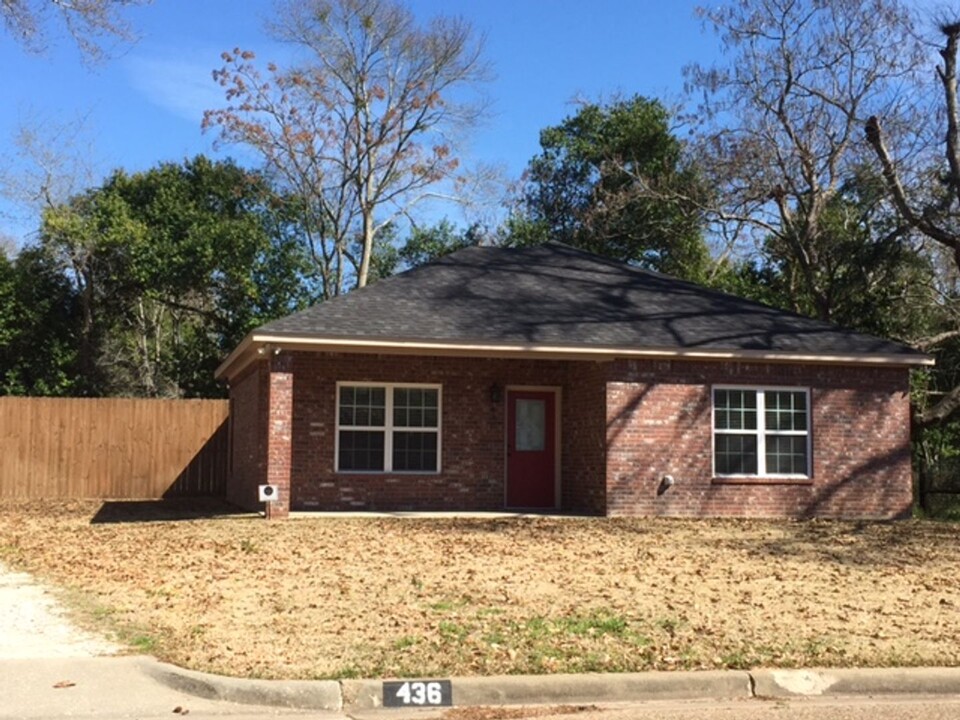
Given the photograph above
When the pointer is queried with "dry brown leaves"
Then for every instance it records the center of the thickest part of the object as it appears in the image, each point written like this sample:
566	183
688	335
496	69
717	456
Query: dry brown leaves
310	598
516	713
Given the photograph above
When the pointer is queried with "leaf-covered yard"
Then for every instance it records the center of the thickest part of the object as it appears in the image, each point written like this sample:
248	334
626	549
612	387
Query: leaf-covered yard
333	597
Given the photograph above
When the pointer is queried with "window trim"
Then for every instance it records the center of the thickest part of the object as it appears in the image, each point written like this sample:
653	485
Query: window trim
761	432
388	429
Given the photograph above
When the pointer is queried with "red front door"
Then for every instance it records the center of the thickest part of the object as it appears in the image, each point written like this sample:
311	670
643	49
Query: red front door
531	449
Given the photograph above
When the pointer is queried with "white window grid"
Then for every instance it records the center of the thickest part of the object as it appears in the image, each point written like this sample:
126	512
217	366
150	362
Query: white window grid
388	428
761	432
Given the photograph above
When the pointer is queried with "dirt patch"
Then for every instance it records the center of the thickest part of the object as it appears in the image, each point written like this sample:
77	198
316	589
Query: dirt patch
414	597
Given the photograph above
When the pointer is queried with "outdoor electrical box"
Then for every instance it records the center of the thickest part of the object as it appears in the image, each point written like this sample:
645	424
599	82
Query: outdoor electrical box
268	493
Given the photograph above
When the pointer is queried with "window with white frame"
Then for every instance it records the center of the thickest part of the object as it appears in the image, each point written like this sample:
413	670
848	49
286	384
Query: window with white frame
388	428
761	431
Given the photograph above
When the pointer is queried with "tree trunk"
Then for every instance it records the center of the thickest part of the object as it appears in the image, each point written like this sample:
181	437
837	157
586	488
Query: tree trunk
87	348
367	248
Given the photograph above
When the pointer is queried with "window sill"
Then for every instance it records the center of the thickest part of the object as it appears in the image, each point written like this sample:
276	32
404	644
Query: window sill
388	473
756	480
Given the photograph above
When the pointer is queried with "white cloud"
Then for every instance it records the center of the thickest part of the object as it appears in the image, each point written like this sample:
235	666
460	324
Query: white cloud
181	86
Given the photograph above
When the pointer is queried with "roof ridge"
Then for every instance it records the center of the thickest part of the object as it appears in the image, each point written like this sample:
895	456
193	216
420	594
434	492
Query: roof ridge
380	282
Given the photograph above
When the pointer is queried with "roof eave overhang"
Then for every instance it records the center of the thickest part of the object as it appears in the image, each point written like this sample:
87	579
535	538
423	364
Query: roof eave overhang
258	345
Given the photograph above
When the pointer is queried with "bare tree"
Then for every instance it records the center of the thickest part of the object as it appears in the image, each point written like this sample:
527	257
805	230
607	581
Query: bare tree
779	125
89	23
931	204
361	132
51	161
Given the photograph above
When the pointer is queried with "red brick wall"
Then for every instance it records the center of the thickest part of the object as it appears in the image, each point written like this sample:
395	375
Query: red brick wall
624	425
248	434
472	455
584	439
659	424
280	432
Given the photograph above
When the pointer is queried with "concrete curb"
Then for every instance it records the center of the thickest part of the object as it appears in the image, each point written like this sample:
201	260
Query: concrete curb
351	695
850	681
534	689
306	694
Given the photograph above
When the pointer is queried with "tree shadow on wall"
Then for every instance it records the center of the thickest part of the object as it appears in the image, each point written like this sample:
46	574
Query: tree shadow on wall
862	543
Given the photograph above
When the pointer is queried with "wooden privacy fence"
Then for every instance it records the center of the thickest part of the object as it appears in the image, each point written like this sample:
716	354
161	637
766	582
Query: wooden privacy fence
112	447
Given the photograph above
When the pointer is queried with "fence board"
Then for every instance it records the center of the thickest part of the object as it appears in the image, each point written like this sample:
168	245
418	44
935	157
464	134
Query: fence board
112	448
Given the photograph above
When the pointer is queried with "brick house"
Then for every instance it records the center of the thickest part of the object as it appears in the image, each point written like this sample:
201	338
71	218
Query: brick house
550	379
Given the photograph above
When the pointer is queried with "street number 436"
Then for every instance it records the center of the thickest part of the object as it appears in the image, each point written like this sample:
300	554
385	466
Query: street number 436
417	692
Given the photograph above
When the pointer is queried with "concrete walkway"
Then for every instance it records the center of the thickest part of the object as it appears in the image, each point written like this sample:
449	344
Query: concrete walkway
34	625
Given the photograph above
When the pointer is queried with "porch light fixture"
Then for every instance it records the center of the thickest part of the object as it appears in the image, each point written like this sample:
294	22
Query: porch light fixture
496	393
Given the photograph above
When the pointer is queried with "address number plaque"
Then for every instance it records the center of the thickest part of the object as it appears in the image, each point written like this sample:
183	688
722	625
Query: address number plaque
417	693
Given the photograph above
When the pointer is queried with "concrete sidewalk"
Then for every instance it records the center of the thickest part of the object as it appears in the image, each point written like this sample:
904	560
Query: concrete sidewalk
357	695
115	688
106	687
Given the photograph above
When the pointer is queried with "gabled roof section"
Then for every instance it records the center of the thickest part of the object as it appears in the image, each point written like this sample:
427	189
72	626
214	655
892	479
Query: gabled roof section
556	300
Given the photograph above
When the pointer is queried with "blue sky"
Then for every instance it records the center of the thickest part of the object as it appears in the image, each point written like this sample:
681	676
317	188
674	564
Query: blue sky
145	105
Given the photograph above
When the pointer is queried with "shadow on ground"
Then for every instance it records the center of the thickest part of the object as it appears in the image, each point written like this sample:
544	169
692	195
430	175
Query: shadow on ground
134	511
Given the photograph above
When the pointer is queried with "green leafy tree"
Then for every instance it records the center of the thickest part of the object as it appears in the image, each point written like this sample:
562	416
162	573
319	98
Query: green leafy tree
37	323
86	239
171	268
611	179
426	244
869	274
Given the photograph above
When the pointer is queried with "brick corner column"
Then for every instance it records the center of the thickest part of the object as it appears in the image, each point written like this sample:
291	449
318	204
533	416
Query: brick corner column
280	433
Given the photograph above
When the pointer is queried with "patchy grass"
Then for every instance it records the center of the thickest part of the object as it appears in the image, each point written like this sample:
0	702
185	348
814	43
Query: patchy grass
352	597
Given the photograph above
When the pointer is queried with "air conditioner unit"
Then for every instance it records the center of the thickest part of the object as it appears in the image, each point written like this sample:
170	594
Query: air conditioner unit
268	493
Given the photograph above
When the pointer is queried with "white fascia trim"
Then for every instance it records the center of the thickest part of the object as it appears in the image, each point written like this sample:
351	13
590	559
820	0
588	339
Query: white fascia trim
292	342
221	372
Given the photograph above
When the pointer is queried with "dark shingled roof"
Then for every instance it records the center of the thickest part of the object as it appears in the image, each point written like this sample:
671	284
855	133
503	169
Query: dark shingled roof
555	295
